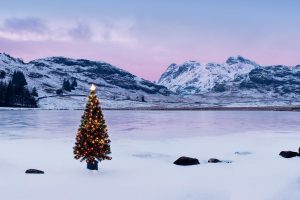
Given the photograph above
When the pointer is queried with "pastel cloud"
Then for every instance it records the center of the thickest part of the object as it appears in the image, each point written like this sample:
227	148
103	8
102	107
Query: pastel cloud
81	32
35	29
24	25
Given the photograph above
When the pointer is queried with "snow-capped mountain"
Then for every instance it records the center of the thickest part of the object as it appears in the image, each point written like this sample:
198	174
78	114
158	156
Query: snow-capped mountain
237	82
48	74
237	76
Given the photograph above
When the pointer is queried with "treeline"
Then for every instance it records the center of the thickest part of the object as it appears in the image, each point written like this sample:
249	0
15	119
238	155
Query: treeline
67	86
15	92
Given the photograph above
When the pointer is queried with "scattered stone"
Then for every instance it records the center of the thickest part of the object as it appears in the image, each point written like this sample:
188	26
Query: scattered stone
214	160
150	155
34	171
288	154
242	153
185	161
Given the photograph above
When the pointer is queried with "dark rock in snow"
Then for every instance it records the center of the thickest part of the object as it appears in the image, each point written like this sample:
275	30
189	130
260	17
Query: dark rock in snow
214	160
150	155
185	161
34	171
242	153
288	154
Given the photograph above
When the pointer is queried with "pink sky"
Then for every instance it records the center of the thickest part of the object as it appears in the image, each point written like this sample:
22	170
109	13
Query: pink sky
145	38
148	62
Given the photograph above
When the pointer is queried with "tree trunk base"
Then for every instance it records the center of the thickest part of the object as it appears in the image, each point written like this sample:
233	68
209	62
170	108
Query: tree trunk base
92	166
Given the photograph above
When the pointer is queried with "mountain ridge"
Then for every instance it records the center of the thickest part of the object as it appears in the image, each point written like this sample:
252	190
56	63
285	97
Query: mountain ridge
236	75
48	74
69	67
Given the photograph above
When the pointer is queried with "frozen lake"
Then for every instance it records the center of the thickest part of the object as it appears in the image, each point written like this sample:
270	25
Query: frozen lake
148	124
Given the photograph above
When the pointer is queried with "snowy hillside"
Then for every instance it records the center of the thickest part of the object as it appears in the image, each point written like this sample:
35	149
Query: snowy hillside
238	76
48	74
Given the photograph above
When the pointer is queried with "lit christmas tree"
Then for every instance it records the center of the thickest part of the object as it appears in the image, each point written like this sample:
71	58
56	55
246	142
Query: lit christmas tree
92	142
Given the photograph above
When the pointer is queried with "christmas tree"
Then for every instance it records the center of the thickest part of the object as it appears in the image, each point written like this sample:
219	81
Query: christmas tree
92	142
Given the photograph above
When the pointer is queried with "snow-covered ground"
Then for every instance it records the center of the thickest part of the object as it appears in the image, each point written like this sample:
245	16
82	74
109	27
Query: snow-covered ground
179	102
144	146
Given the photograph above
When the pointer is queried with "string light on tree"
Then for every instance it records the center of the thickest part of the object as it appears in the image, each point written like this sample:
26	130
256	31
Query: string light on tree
92	140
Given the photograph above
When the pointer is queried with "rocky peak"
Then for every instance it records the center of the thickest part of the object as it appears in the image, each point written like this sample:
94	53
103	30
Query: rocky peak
239	59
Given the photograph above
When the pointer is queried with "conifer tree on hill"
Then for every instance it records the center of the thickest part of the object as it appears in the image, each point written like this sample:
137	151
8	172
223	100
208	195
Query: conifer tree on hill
66	85
34	92
16	93
2	74
92	140
73	84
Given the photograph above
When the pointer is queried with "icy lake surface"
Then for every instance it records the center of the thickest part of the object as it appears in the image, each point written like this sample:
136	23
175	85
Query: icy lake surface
148	124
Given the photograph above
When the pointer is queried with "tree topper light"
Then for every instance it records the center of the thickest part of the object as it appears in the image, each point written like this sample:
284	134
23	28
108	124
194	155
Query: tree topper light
93	87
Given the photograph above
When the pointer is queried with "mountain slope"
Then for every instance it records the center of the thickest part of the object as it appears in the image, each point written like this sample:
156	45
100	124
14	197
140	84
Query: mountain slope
48	74
237	76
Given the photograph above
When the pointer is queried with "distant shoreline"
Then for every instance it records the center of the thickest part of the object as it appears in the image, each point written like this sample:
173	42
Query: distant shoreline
215	108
